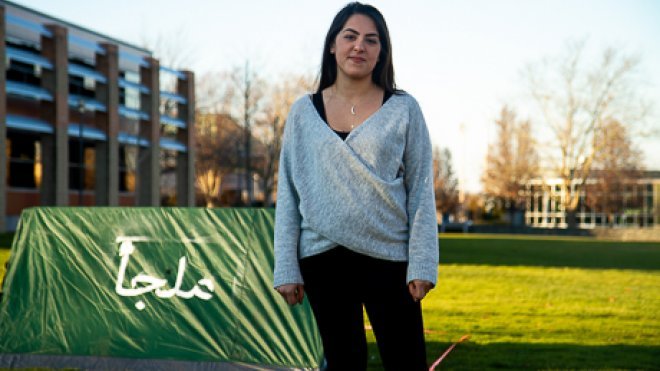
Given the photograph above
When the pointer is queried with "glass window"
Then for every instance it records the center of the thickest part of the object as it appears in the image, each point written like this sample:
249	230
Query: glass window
169	131
24	72
556	204
129	125
82	171
169	107
131	76
24	161
82	86
127	168
168	177
89	83
168	82
129	98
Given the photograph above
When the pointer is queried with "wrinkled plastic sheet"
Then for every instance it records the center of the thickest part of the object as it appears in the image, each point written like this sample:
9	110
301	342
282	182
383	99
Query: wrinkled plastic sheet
150	288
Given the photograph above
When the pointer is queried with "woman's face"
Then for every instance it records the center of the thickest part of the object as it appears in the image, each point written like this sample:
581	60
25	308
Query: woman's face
357	47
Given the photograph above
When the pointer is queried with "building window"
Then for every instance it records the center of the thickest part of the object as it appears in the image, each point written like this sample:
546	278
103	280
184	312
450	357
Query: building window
169	107
129	97
82	86
168	82
127	166
24	161
24	73
129	125
168	159
169	131
82	171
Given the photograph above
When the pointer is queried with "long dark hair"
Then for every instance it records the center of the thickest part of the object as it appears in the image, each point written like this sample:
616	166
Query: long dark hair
383	73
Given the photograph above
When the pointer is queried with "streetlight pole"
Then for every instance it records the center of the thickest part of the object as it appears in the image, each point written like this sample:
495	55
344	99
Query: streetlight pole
81	110
462	212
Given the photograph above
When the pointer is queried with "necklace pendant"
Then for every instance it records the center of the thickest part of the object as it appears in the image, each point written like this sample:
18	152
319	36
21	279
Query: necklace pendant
353	110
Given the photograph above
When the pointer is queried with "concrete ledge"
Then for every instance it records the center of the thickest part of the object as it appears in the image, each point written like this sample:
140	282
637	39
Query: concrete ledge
616	234
629	234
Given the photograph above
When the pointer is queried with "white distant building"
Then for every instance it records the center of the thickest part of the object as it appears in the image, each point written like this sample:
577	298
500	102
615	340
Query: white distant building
639	204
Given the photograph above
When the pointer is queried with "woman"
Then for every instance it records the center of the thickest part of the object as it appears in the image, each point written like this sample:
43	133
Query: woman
355	219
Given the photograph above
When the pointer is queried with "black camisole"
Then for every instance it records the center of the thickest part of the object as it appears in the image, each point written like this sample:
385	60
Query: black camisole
317	99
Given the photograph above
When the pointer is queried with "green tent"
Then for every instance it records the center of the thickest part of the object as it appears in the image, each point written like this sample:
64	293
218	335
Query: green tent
150	288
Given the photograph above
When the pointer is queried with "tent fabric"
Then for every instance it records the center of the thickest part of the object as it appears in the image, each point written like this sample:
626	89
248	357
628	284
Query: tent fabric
37	361
104	288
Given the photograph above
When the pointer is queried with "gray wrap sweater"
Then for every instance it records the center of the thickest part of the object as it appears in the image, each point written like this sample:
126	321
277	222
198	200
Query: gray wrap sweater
372	193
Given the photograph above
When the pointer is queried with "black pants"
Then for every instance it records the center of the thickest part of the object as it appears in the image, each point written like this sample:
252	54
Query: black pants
338	283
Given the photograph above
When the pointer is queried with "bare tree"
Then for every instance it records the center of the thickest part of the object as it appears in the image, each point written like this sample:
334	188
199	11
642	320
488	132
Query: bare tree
217	142
576	101
247	93
229	103
269	130
444	183
214	93
616	167
172	47
211	163
510	162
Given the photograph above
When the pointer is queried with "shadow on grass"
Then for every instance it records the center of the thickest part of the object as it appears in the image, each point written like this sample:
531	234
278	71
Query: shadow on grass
548	252
523	356
6	240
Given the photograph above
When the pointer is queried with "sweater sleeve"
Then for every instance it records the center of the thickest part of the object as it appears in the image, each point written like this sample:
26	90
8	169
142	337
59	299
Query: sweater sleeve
287	215
422	222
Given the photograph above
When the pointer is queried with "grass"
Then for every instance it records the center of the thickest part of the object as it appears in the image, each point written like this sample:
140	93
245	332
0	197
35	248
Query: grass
543	303
5	245
4	256
535	302
542	251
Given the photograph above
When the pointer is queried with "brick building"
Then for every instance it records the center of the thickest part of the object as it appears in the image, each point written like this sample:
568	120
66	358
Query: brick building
88	120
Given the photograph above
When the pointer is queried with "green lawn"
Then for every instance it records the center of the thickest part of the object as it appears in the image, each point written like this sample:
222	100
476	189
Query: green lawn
5	245
4	256
544	303
541	303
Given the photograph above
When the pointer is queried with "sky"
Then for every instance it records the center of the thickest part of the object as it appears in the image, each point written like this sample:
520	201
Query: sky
461	59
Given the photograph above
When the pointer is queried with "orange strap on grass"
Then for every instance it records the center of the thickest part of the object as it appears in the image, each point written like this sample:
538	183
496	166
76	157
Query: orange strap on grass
437	362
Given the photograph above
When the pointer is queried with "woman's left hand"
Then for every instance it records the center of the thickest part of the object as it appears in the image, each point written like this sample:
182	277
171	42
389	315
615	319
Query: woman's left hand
419	288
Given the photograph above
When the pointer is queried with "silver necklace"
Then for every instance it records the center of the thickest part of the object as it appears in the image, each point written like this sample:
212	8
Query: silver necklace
353	105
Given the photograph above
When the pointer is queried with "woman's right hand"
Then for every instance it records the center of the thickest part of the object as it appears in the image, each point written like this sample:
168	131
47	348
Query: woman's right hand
293	293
